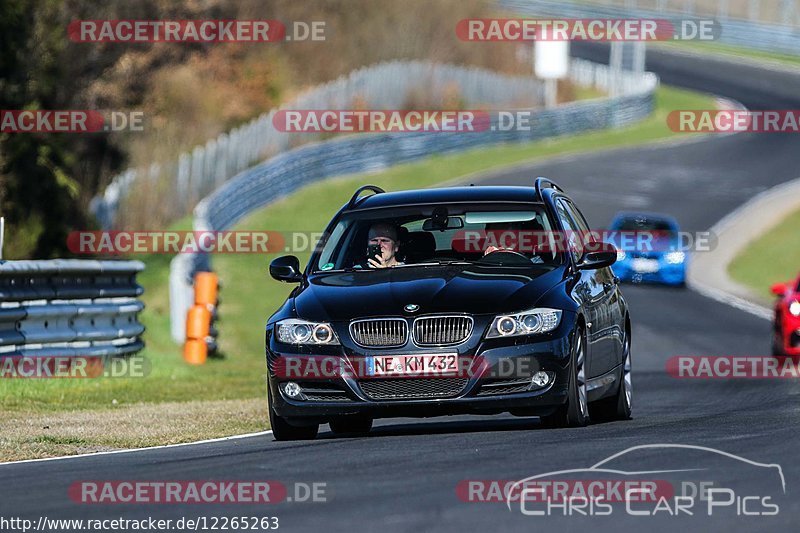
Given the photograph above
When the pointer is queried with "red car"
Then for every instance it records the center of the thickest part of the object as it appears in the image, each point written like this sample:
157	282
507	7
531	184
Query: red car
786	339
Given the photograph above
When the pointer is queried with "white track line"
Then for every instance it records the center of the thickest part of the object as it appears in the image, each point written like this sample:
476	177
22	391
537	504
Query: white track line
131	450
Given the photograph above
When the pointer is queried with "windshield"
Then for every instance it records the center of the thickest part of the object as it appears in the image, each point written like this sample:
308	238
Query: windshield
501	235
640	224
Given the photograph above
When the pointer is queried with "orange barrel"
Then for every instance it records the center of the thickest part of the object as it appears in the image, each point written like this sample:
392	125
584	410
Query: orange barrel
205	288
195	351
198	322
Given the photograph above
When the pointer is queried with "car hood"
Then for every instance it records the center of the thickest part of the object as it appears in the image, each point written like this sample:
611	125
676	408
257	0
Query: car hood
436	289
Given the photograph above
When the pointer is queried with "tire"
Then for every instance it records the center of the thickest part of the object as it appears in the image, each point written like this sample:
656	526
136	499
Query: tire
282	430
351	424
575	412
777	349
618	406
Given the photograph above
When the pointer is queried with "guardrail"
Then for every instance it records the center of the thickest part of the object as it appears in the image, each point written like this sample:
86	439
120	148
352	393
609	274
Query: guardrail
772	37
289	171
70	307
387	85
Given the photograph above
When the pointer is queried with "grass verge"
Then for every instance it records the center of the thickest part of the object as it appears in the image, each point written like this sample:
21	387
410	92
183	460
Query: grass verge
772	258
178	403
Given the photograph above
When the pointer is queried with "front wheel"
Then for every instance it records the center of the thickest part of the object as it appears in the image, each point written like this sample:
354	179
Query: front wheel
574	413
283	430
618	406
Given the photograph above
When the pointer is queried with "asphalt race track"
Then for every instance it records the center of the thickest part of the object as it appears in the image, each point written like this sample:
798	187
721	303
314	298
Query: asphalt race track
403	477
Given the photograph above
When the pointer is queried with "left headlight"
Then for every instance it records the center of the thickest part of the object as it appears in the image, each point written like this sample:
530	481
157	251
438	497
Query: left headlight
529	322
296	331
794	308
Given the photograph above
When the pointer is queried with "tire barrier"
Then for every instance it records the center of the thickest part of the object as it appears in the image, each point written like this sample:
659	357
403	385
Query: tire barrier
70	308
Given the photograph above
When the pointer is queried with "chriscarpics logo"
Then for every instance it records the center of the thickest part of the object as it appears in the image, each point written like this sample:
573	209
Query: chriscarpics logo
651	480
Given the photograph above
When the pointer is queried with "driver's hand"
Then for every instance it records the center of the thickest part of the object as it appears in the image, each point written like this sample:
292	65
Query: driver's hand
376	262
492	249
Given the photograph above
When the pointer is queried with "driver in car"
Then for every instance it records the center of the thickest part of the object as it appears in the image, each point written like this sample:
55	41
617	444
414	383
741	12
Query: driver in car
516	231
384	236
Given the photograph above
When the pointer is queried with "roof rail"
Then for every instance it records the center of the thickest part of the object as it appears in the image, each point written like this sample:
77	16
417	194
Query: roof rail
542	183
354	200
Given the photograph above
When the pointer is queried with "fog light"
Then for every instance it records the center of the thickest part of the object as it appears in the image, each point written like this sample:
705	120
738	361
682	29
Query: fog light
292	390
540	379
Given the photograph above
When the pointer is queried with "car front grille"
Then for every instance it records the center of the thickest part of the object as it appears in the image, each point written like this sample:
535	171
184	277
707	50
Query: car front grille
504	386
442	330
380	332
324	392
413	388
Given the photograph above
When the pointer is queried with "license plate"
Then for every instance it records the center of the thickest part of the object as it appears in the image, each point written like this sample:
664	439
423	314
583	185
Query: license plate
644	266
412	365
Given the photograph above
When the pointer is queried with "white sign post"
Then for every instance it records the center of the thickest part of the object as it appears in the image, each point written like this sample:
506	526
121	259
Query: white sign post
551	63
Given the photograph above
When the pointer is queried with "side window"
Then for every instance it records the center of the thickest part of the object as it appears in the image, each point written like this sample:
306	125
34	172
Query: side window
570	238
586	236
577	216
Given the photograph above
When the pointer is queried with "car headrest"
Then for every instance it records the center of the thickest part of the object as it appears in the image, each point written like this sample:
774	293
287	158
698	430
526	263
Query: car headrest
418	245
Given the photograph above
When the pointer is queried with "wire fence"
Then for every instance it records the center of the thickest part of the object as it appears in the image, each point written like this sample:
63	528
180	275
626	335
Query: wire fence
392	85
291	170
772	25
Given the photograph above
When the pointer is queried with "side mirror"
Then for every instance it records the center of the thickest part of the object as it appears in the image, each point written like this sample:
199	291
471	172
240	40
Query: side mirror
779	289
599	255
286	268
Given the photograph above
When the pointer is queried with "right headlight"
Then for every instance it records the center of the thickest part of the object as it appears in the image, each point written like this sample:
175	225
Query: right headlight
296	331
540	320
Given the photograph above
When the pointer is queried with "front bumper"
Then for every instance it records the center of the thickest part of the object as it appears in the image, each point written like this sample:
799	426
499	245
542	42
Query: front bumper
791	341
502	386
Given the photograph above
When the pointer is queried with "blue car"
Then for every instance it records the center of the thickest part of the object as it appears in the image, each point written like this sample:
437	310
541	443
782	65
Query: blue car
648	248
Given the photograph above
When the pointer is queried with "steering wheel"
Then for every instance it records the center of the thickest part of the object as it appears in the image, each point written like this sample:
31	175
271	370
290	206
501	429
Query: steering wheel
513	256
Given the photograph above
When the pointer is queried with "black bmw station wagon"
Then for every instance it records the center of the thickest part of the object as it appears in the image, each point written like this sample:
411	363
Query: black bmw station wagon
461	300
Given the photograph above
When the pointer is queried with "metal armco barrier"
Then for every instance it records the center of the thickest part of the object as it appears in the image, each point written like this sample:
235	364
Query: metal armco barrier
754	33
70	307
387	85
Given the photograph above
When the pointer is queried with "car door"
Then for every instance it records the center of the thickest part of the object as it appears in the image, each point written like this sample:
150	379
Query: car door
587	291
607	328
